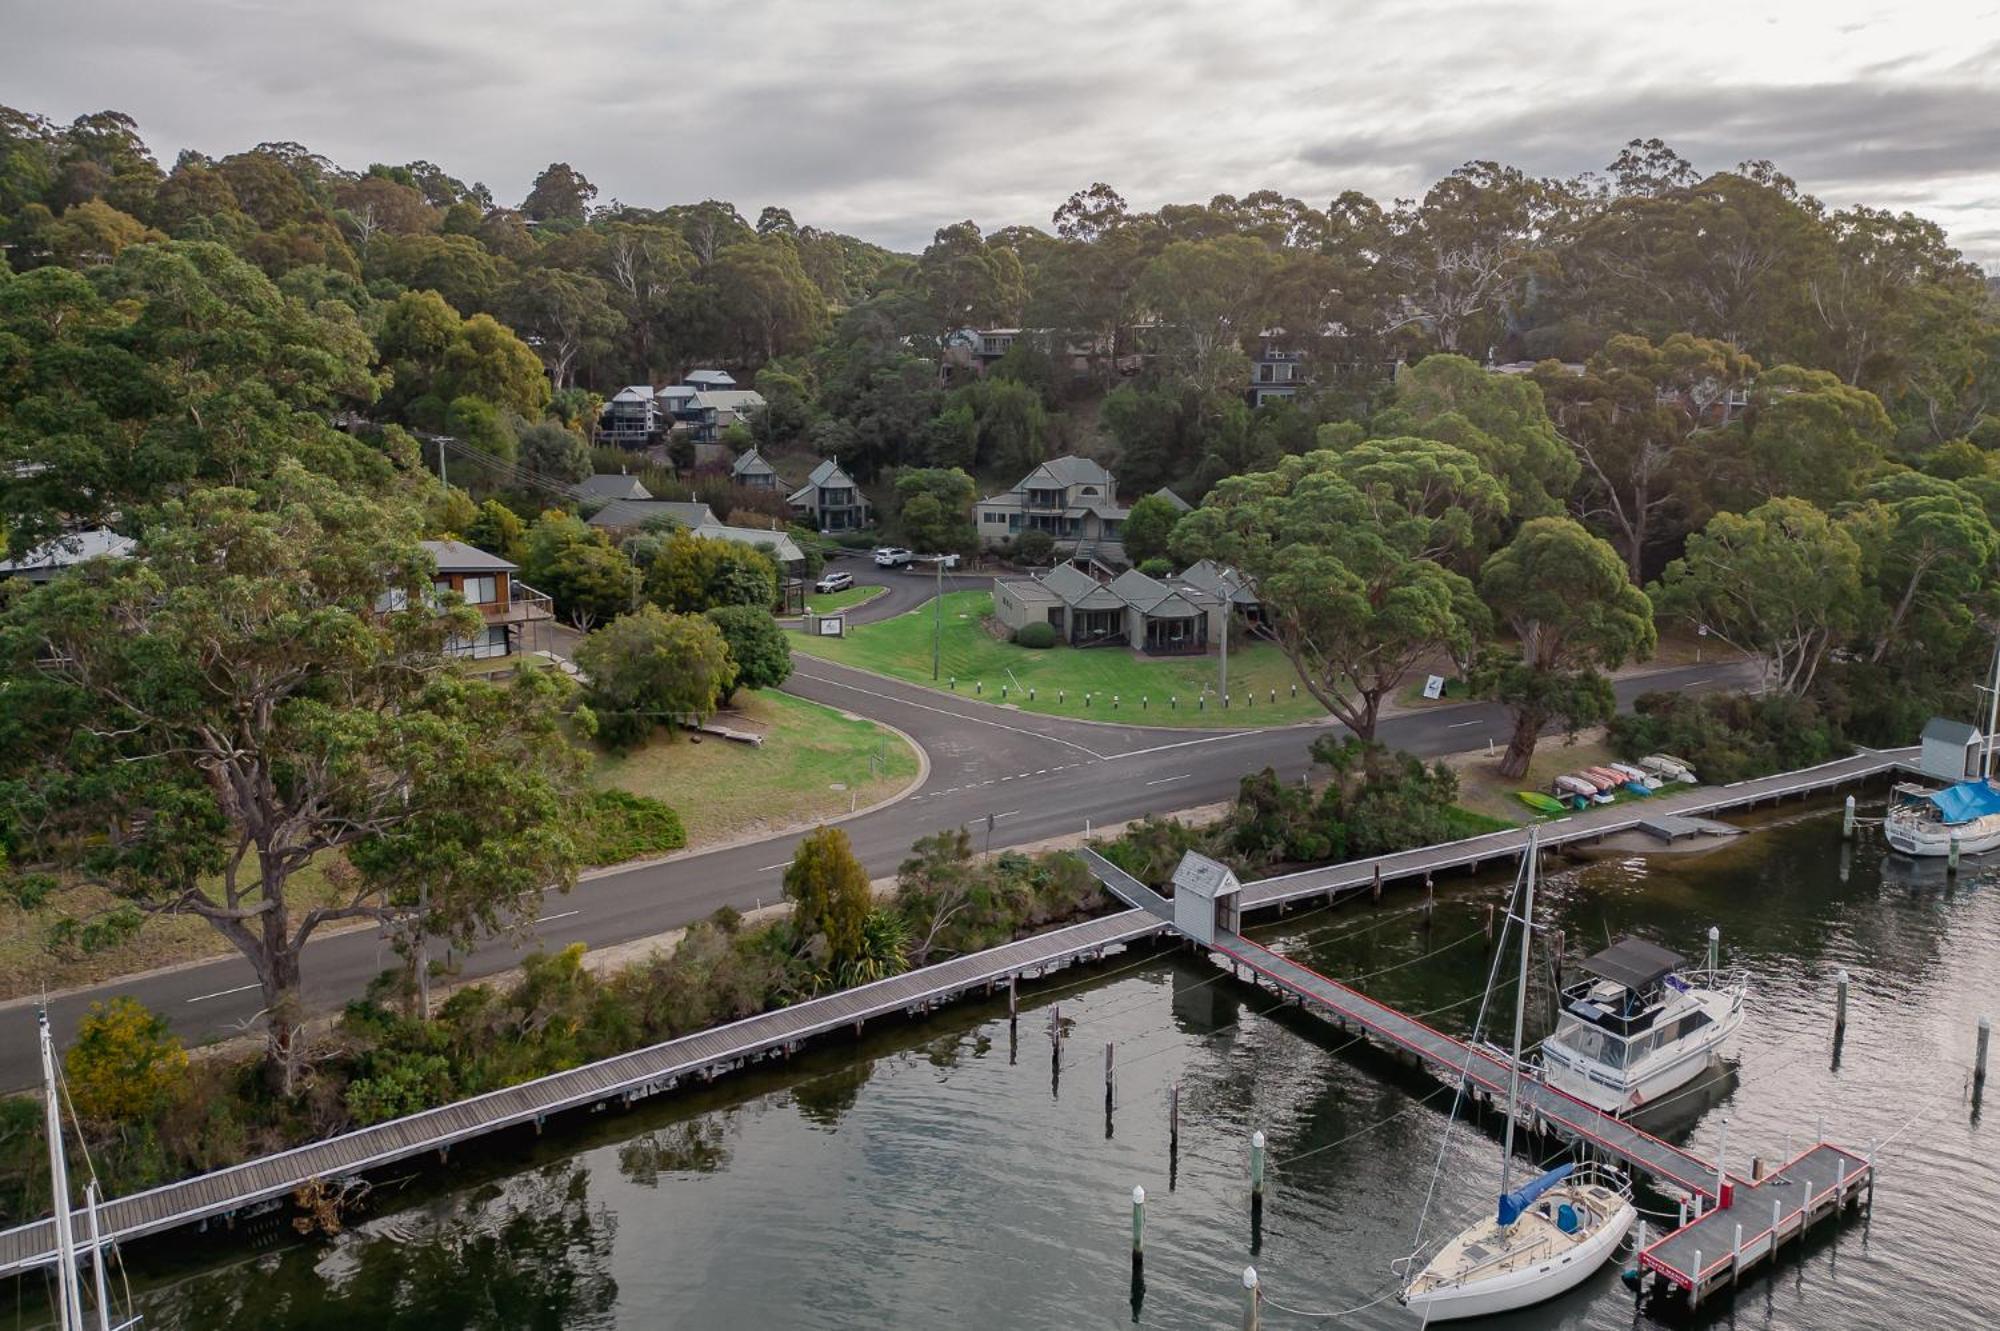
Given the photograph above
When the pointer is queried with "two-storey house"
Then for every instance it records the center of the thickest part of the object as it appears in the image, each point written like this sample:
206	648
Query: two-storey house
830	499
511	609
753	473
1073	499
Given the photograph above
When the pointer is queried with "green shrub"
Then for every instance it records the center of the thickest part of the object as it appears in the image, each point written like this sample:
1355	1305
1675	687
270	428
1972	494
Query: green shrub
1160	567
1038	635
619	826
1034	548
403	1084
1728	736
851	540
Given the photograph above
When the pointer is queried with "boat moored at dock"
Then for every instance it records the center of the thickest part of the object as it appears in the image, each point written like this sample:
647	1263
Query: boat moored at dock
1635	1030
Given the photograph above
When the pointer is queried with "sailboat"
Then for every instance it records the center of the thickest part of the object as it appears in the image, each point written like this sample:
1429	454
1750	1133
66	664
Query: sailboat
69	1278
1547	1235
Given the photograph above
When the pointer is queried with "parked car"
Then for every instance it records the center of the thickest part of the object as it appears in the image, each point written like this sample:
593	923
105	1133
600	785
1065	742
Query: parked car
892	556
834	582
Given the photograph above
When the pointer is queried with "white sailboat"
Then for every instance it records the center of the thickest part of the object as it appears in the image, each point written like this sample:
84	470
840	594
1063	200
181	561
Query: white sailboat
1546	1236
69	1280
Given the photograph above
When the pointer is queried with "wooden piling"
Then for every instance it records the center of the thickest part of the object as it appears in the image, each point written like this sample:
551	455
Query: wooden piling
1252	1295
1840	1004
1013	997
1847	820
1108	1088
1256	1172
1982	1040
1378	882
1138	1229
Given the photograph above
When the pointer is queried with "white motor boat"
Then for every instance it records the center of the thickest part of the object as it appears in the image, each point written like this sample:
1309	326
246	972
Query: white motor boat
1546	1239
1546	1236
1631	773
1635	1030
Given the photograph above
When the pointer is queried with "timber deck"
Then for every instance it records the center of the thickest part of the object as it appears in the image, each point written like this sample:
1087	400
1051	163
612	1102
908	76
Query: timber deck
627	1078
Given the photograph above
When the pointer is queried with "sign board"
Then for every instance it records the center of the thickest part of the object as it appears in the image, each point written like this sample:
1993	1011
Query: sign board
832	626
1434	686
1701	630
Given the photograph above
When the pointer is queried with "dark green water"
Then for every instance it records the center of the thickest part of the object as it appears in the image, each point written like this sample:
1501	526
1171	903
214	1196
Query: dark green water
928	1179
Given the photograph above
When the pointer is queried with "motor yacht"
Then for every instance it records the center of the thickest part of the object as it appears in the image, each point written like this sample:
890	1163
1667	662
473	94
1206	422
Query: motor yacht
1635	1029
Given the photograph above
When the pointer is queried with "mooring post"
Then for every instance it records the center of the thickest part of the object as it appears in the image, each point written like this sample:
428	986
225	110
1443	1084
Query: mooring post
1839	1005
1714	950
1839	1188
1107	1088
1847	820
1721	1151
1430	900
1682	1221
1138	1229
1489	924
1256	1171
1639	1271
1013	997
1174	1117
1775	1215
1694	1286
1378	881
1736	1255
1251	1296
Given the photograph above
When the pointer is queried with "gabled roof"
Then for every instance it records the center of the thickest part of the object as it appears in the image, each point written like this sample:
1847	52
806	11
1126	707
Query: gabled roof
1203	877
1632	962
637	512
610	485
1180	504
1066	471
1080	591
782	547
677	393
1150	596
738	400
1947	731
458	557
827	473
73	548
635	393
752	464
1217	580
711	379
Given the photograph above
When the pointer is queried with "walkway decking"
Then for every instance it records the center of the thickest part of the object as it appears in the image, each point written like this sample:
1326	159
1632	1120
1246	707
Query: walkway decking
1589	825
628	1077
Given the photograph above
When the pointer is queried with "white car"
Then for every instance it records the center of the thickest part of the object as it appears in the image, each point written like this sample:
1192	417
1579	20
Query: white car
834	582
892	556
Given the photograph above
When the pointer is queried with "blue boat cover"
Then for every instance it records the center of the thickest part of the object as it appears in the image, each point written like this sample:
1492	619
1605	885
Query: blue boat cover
1966	801
1514	1203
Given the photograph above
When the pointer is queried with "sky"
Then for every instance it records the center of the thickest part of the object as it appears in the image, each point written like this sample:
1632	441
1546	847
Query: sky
888	120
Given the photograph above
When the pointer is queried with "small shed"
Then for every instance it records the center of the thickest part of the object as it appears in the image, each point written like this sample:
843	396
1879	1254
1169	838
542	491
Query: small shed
1206	900
1952	750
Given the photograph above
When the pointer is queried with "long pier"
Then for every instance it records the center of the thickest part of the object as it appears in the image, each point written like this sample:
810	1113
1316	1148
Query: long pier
625	1079
228	1193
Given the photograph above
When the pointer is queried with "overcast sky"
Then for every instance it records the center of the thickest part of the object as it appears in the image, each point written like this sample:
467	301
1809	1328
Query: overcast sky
889	119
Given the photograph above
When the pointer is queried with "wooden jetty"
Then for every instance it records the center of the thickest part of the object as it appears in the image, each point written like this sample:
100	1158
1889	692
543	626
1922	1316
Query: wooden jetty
228	1193
224	1193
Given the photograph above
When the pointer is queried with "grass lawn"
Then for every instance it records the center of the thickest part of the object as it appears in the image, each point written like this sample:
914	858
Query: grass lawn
27	965
825	603
725	790
1061	676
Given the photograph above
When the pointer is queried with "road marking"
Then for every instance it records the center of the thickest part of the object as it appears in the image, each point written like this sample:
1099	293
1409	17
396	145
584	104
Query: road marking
1697	683
1184	744
223	993
560	916
779	865
1009	814
1460	725
956	716
1165	780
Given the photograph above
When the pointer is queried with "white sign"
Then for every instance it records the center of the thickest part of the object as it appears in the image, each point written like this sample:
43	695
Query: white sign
832	626
1434	686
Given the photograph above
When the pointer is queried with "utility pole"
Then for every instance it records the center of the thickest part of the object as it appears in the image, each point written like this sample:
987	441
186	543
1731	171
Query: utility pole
1226	611
441	477
937	616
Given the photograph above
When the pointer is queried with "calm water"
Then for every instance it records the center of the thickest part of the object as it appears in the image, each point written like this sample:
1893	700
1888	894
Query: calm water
931	1178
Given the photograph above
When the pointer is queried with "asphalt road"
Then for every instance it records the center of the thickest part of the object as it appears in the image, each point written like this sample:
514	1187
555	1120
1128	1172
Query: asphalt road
1035	777
909	586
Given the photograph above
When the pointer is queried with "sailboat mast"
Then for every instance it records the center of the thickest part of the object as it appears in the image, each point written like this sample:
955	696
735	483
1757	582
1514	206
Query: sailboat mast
1520	1009
68	1295
1992	710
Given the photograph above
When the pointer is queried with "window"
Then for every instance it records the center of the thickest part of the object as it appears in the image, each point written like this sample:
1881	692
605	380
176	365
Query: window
481	646
483	589
443	587
393	599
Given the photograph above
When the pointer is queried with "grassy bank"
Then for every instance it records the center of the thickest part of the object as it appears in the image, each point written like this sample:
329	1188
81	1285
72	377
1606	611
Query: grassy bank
1061	677
814	764
825	603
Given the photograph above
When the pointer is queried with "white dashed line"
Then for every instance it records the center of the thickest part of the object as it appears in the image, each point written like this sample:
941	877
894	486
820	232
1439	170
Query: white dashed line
223	993
1009	814
561	915
779	865
1167	780
1460	725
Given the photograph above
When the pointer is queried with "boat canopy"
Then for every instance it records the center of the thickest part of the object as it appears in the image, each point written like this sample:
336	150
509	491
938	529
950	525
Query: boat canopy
1632	962
1966	801
1514	1203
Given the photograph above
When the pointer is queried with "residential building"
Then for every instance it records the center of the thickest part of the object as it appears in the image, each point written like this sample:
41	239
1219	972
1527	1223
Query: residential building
752	472
1218	584
830	499
1180	505
779	545
42	562
1132	609
631	418
1277	369
607	486
711	411
630	514
706	380
1073	499
512	610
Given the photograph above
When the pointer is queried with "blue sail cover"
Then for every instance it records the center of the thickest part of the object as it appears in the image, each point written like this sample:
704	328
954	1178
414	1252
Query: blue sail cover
1966	801
1512	1204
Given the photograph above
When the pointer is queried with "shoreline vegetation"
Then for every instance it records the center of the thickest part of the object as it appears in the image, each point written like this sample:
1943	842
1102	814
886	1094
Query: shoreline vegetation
170	1118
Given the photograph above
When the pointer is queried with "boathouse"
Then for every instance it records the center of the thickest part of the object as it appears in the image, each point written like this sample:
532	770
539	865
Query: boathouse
1206	899
1951	750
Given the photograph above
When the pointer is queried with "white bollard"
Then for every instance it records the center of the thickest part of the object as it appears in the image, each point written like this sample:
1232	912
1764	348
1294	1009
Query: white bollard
1847	820
1257	1165
1138	1225
1252	1295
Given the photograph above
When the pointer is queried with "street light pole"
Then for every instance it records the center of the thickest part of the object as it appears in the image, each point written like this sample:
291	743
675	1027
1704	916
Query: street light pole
937	616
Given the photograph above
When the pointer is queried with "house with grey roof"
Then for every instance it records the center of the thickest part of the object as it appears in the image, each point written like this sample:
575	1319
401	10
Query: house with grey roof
752	472
607	486
622	515
1180	505
713	410
511	610
708	379
830	499
779	545
633	418
1131	610
1207	581
1073	499
42	562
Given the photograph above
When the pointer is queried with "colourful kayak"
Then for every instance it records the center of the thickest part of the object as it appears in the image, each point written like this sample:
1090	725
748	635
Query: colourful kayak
1541	803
